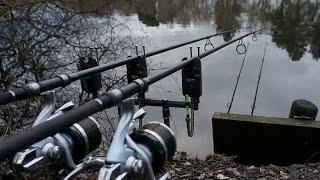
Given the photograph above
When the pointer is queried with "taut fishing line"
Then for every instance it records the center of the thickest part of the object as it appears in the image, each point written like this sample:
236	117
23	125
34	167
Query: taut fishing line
238	78
258	83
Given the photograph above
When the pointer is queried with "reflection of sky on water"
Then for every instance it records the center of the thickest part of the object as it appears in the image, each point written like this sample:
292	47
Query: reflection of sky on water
282	80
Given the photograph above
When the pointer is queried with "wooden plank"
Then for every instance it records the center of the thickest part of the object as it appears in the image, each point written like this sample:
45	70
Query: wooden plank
265	140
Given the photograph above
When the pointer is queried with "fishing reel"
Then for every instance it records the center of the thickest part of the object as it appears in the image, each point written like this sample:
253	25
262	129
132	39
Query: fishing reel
135	153
68	147
138	153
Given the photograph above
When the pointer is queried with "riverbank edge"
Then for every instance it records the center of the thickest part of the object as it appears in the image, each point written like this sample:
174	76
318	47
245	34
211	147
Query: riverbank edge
184	166
221	167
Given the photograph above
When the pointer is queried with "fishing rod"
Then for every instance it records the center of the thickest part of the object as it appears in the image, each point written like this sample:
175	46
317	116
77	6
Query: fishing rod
14	143
238	78
36	88
258	83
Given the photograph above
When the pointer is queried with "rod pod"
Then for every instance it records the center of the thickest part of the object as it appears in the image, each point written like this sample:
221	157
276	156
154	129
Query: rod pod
11	144
62	80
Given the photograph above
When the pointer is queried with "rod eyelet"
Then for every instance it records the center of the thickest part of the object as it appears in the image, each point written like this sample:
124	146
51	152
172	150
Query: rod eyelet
254	37
208	43
240	46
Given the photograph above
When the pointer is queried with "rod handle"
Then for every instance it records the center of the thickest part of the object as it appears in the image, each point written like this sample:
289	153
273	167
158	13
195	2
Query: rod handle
15	95
5	97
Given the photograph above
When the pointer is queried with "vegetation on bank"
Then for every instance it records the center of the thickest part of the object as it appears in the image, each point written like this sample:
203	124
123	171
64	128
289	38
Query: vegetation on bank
222	167
186	167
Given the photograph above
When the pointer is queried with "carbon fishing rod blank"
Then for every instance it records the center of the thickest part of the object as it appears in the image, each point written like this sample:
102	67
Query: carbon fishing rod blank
91	84
68	147
36	88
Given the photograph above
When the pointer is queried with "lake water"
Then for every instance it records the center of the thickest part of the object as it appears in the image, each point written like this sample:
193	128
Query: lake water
291	68
291	63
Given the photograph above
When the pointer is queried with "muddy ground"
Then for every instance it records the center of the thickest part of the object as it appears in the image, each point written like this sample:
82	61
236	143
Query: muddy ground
214	167
221	167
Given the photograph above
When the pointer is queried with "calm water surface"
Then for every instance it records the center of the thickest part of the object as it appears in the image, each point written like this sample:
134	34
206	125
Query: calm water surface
291	64
291	69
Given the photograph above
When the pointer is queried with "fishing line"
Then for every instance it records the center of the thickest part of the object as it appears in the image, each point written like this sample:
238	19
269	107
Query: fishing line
258	83
238	78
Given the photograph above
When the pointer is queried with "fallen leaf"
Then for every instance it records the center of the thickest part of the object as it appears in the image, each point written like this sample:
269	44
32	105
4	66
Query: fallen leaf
222	177
187	163
202	176
234	171
284	175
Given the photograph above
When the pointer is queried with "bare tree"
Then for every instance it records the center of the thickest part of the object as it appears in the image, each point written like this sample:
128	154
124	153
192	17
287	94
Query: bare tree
39	40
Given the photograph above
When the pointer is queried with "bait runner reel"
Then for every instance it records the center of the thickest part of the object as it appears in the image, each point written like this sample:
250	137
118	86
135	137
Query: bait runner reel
138	153
135	153
68	147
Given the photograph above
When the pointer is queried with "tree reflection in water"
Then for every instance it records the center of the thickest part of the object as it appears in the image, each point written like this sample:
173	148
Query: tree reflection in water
289	28
295	23
227	16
